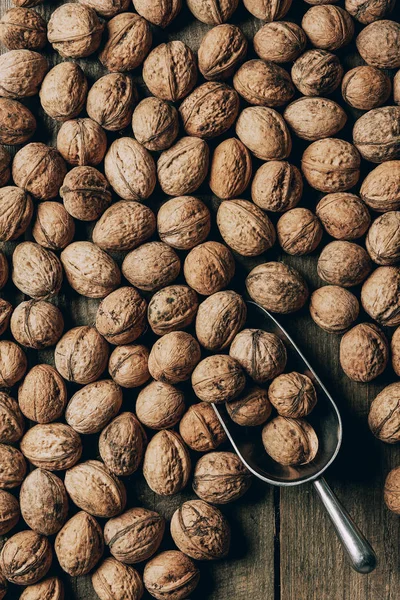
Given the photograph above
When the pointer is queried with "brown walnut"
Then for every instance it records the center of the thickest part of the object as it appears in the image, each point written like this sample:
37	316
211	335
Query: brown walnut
261	354
5	161
344	263
23	28
290	441
155	124
252	408
277	186
52	446
82	142
268	10
74	30
37	324
231	169
121	316
381	188
11	420
9	513
209	268
383	418
221	51
212	12
49	589
13	363
170	71
392	491
111	100
44	502
315	118
93	406
366	87
158	12
37	272
334	308
39	169
160	405
12	467
328	27
263	83
220	477
171	575
285	292
128	365
367	11
344	216
17	122
379	44
383	239
124	226
86	193
317	73
331	165
380	296
200	428
182	168
21	73
364	352
53	228
173	357
112	579
63	92
299	231
25	558
151	266
219	318
376	134
79	545
183	222
172	308
107	8
293	395
264	132
127	43
122	444
16	209
81	355
218	378
167	465
279	41
42	396
130	169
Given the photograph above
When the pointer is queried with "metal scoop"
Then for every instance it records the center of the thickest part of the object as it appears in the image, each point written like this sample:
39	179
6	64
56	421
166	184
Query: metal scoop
327	423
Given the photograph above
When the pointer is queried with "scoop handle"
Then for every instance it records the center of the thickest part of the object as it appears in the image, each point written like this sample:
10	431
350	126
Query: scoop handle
359	551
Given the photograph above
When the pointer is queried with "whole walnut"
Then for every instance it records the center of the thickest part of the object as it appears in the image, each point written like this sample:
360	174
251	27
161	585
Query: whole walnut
9	513
158	12
380	188
251	408
209	268
124	226
171	575
3	269
86	193
220	477
16	209
376	134
63	92
13	363
17	122
130	169
264	132
95	490
121	316
166	466
81	355
293	395
82	142
366	87
212	13
261	354
383	418
200	428
395	348
53	228
115	580
6	310
344	216
334	308
128	41
25	558
79	545
89	270
11	420
44	502
182	168
290	442
49	589
277	287
331	165
170	71
155	124
328	27
383	239
160	405
200	531
183	222
93	406
367	11
12	467
268	10
39	169
23	28
173	357
107	8
317	73
122	444
219	378
21	73
219	318
37	272
279	41
299	231
364	352
128	365
151	266
315	118
380	296
74	30
379	44
42	396
263	83
5	160
277	186
52	446
172	308
231	169
111	100
391	491
221	51
344	263
37	324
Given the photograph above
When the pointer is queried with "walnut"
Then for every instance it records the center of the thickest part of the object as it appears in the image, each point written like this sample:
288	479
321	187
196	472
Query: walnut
209	268
383	418
79	545
279	41
220	317
331	165
395	347
170	71
17	122
16	209
107	8
171	309
333	308
264	132
52	446
12	467
23	28
121	316
151	266
344	263
115	580
251	408
49	589
21	73
383	239
3	269
135	535
11	420
222	49
44	502
39	169
220	477
82	142
53	228
263	83
380	188
268	10
122	444
173	357
167	465
315	118
364	352
158	12
128	42
200	428
111	100
9	513
74	30
218	378
42	395
5	172
299	231
124	226
344	216
277	287
155	124
183	222
380	296
328	27
25	558
171	575
81	355
290	442
37	272
391	491
367	11
293	395
95	489
182	168
86	193
200	531
63	92
277	186
366	87
231	169
317	73
128	365
160	405
37	324
379	44
89	270
261	354
6	310
13	363
375	134
93	406
130	169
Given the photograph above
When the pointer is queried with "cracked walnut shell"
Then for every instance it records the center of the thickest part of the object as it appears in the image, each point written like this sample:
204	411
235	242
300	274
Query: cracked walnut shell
290	442
220	477
112	579
231	169
171	576
151	266
218	378
200	428
383	418
334	308
63	92
344	263
121	316
52	446
219	318
93	406
364	352
170	71
209	268
44	502
128	365
167	465
277	287
122	444
37	324
74	30
25	558
172	308
81	355
42	396
261	354
160	405
128	42
39	169
79	545
173	357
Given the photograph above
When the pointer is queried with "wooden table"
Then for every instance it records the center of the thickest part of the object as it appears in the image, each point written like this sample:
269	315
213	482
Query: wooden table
283	545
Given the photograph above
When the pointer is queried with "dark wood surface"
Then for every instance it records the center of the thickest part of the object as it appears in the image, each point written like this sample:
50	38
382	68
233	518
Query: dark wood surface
283	544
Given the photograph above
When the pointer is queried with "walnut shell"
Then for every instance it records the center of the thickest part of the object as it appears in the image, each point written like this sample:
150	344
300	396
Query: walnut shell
121	316
25	558
21	73
82	142
264	132
63	92
328	27
11	420
299	231
380	296
95	489
16	210
158	12
218	378
391	491
333	308
79	545
151	266
344	216
394	346
277	287
86	193
12	467
200	428
231	169
293	395
364	352
74	30
48	589
279	41
6	310
268	10
209	268
115	580
290	441
53	228
379	44
23	28
171	309
173	357
17	122
44	502
380	188
344	263
182	168
261	354
107	8
376	134
366	87
128	365
317	73
5	172
171	575
52	446
315	118
42	396
9	513
124	226
183	222
37	272
93	406
167	465
221	51
331	165
128	41
212	12
39	169
155	124
3	269
263	83
251	408
367	11
13	363
111	100
383	418
81	355
220	477
122	444
383	239
170	71
160	405
277	186
219	318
